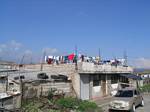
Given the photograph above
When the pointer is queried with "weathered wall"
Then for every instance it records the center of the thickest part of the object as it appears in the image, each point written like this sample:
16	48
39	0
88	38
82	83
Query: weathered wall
105	68
30	71
31	90
76	84
2	86
11	103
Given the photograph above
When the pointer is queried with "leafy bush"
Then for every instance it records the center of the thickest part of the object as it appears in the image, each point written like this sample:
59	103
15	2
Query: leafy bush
60	105
31	107
145	88
86	106
51	93
54	110
69	102
78	105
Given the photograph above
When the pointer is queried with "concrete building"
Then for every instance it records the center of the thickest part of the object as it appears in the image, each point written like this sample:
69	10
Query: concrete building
89	81
9	94
94	81
7	65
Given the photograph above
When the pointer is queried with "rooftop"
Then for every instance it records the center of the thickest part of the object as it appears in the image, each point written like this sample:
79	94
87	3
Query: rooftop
86	67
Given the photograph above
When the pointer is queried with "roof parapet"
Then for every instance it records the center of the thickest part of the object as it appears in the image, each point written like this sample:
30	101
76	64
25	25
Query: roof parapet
86	67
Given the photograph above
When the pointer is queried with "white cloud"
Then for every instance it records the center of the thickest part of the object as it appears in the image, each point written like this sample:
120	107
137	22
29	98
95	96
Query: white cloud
15	45
14	51
28	52
50	51
10	46
141	63
1	50
3	46
10	50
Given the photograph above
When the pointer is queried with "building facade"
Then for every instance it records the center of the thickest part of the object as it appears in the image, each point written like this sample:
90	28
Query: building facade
96	81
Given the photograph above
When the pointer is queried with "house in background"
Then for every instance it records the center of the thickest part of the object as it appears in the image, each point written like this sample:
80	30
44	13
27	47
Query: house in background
10	97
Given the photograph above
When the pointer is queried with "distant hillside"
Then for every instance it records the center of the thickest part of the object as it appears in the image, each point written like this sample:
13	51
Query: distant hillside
6	62
142	70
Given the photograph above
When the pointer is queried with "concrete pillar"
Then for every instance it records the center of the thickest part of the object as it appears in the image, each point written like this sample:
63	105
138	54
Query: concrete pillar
108	84
91	86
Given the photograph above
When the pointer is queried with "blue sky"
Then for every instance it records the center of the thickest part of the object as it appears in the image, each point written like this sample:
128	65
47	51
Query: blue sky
114	26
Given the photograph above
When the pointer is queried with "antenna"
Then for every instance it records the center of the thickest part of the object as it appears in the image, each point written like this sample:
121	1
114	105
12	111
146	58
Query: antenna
20	79
31	59
99	53
21	61
125	57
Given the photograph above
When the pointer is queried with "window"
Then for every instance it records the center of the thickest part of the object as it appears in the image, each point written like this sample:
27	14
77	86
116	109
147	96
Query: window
114	78
136	92
8	101
124	93
96	83
96	80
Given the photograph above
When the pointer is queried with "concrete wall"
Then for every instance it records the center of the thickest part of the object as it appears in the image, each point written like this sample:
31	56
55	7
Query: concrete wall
76	84
13	86
2	87
31	90
105	68
114	88
11	103
96	92
30	71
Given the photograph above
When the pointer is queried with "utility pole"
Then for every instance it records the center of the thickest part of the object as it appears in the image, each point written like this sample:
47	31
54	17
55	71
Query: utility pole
21	62
31	60
7	83
44	53
21	83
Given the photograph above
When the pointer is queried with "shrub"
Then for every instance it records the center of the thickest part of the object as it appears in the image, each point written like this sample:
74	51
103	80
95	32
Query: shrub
87	106
78	105
145	88
51	93
69	102
31	107
54	110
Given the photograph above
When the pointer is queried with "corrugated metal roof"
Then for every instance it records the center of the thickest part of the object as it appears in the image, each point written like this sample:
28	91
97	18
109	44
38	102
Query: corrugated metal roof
132	76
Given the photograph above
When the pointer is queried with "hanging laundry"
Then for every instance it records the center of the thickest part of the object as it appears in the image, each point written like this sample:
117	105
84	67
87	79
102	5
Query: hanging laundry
51	57
65	58
49	61
75	59
71	57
